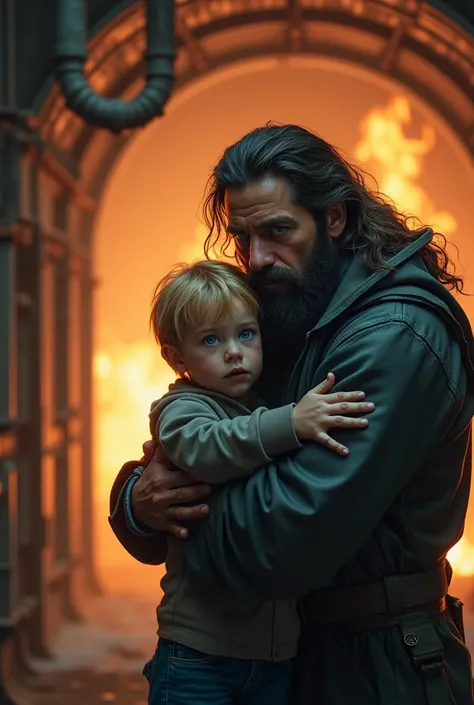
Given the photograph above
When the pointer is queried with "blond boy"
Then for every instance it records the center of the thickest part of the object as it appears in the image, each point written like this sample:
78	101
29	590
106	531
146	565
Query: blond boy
219	648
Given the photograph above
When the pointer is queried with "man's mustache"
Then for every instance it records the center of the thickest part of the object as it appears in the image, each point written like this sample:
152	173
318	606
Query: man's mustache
272	274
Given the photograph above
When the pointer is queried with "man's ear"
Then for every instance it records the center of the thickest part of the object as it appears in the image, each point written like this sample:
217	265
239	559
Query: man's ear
336	219
173	358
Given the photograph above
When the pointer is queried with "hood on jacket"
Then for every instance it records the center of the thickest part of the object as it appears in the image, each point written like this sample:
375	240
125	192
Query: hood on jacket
361	287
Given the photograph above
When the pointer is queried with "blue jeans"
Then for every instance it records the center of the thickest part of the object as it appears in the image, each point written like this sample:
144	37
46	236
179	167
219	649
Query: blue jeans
179	675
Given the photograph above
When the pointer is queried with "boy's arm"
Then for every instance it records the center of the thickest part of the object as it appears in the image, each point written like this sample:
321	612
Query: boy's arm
219	450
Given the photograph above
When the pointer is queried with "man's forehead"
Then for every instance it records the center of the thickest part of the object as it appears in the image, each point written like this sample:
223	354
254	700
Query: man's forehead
266	192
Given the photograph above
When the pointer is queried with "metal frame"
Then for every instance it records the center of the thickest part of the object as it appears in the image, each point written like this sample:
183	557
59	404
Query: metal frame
411	35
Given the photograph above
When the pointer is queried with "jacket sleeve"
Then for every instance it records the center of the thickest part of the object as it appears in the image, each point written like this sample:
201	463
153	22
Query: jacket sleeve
314	503
219	450
146	549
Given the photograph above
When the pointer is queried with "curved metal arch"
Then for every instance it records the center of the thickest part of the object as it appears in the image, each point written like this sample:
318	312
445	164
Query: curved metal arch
100	156
403	39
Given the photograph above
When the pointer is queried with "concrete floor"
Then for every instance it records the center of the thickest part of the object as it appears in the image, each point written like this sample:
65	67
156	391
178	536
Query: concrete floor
100	660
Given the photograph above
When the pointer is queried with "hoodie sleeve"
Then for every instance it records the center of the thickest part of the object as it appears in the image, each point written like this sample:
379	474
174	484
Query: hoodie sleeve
218	450
296	523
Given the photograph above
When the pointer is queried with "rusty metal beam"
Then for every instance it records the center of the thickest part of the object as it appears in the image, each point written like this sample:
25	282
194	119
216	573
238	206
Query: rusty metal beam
295	24
393	45
63	176
193	47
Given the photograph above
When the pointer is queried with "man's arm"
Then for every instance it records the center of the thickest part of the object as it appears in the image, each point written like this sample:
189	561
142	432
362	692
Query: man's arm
292	526
149	549
161	502
220	450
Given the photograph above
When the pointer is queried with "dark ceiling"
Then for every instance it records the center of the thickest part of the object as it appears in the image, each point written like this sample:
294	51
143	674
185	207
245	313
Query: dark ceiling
35	36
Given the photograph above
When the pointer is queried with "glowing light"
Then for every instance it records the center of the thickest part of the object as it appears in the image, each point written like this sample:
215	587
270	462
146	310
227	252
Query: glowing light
397	161
461	557
102	365
127	380
194	249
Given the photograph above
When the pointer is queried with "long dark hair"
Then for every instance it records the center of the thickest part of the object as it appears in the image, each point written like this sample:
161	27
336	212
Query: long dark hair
319	176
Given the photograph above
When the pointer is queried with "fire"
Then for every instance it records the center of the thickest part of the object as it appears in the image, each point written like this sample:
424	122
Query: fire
461	557
396	160
129	377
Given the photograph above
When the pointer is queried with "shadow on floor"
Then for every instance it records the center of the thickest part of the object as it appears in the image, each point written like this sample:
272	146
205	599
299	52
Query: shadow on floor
100	659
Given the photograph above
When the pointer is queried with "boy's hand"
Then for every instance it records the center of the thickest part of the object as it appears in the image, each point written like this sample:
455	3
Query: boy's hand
319	411
160	495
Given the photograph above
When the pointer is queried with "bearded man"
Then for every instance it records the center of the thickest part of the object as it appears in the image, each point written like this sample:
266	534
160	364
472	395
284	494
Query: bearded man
346	286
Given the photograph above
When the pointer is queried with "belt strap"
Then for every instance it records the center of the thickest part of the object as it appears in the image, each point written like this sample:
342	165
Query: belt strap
426	650
393	596
403	600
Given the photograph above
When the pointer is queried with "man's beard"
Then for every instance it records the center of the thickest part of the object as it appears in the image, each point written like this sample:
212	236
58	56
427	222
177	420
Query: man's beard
297	302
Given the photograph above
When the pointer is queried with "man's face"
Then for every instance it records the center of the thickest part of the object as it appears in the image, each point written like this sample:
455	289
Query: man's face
270	230
293	264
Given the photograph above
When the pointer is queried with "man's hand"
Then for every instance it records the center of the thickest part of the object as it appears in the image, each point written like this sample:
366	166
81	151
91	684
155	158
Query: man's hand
158	496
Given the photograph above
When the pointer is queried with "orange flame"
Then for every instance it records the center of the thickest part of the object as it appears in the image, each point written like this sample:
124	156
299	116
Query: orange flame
127	379
396	160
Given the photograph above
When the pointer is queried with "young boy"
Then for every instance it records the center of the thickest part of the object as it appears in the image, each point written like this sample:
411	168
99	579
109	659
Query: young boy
217	647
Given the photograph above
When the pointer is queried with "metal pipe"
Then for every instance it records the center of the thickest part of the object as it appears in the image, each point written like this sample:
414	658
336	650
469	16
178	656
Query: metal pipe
114	113
8	30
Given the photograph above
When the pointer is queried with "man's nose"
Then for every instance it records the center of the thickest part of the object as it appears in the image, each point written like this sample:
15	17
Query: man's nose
260	254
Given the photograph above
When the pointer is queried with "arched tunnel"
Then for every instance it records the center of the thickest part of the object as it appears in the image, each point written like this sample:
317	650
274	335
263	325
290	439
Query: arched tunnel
91	218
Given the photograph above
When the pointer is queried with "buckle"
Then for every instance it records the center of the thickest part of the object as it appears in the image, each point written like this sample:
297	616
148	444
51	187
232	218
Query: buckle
426	648
430	664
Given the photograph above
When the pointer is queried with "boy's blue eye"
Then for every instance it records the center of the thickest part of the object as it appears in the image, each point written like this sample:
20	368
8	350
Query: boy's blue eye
211	340
246	334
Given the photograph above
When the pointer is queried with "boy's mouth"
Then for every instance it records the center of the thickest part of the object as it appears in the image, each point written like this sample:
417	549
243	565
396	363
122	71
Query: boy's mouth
238	372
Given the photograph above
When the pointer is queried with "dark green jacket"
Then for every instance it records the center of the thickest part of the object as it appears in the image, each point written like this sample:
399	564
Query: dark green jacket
396	505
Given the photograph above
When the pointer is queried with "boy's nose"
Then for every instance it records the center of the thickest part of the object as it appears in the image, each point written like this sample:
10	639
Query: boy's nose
233	354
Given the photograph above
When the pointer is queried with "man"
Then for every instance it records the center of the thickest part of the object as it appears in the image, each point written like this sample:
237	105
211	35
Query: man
346	287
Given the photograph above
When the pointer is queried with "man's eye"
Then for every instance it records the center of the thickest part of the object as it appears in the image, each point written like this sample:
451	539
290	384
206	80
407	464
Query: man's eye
241	237
246	334
279	229
210	340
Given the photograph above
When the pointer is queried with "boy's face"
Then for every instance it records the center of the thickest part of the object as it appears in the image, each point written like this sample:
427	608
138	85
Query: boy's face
224	357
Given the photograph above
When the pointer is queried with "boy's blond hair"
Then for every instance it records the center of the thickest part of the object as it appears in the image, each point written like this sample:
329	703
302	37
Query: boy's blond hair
191	294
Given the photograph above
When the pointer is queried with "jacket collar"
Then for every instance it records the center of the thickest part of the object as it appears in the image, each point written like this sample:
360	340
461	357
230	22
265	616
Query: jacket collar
358	280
